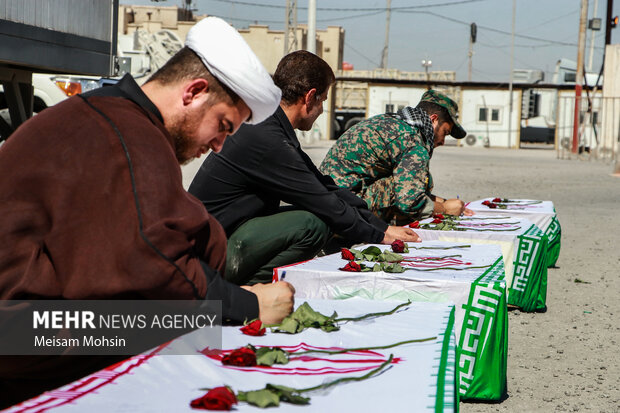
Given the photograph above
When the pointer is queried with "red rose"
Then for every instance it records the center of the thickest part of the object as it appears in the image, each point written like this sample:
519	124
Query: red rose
439	216
351	266
492	205
255	328
347	255
415	224
436	221
486	202
497	199
218	398
398	246
243	357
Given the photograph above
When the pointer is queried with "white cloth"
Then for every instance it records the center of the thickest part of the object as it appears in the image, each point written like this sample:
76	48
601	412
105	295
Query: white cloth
507	237
479	301
541	214
229	58
156	382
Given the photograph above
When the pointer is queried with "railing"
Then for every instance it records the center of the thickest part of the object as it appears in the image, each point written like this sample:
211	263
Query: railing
598	128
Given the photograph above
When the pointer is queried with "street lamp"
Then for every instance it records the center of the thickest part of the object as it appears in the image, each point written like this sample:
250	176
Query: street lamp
427	64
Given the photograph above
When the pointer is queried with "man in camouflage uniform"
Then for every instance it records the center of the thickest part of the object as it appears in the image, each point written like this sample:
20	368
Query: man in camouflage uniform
385	160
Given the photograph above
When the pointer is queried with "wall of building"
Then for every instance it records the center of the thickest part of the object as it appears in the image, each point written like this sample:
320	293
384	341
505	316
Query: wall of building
610	131
386	98
494	130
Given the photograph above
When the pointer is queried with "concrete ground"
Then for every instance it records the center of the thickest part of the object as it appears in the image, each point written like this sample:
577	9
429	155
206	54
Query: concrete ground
567	359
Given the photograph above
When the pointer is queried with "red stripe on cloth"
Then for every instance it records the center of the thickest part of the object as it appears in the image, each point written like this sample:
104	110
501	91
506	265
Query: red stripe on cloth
77	390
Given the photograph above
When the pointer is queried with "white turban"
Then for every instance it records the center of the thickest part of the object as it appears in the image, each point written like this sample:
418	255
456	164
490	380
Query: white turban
229	58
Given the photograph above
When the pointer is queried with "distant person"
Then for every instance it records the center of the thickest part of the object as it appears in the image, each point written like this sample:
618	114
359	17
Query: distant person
97	209
263	165
385	160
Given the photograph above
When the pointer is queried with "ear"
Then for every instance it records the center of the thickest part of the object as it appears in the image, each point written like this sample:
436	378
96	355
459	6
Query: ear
194	89
434	117
310	96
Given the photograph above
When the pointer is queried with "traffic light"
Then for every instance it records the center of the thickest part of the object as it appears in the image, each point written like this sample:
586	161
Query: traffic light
614	21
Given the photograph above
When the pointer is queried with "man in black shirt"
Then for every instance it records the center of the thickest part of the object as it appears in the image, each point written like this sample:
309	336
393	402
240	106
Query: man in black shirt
261	166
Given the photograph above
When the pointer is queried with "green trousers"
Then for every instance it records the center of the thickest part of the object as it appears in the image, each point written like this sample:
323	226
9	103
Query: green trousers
264	243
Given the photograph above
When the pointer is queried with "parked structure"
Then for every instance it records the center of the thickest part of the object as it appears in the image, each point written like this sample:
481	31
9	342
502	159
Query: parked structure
45	36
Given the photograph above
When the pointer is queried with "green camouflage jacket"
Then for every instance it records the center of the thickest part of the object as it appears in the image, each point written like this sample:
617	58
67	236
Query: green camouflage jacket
386	162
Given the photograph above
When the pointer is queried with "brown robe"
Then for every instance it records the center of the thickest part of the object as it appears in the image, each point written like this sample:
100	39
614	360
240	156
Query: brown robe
70	220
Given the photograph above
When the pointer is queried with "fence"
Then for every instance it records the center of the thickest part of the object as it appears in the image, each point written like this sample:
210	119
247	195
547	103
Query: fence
598	128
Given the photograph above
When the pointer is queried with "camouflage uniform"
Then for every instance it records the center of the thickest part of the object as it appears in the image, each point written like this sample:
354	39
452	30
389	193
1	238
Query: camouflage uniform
385	160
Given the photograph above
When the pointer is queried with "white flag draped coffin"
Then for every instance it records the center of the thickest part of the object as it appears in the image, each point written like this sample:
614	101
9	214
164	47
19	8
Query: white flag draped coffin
523	244
421	376
470	276
541	213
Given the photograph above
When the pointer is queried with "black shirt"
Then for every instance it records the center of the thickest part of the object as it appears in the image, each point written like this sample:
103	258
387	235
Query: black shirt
262	165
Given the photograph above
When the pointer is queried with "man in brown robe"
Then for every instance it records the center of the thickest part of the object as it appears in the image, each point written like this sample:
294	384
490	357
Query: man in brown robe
92	204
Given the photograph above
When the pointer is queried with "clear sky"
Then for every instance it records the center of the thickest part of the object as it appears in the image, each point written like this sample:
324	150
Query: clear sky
436	30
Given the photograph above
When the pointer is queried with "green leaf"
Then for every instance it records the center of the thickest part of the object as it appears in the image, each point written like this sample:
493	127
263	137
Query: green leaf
389	256
393	268
288	325
357	253
288	394
305	317
374	251
268	356
261	398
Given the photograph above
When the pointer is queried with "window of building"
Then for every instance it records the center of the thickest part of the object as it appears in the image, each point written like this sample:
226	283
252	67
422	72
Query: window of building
489	114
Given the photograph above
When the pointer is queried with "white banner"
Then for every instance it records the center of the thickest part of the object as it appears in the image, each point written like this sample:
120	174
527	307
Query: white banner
540	213
469	275
167	383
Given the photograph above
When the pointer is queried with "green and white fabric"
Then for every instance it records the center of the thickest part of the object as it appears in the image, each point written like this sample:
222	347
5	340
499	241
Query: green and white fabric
420	379
438	272
541	213
524	248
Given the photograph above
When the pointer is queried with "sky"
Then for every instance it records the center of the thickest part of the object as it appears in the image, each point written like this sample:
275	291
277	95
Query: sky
437	30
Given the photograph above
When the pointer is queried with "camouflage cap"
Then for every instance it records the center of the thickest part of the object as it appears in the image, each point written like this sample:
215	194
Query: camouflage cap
445	102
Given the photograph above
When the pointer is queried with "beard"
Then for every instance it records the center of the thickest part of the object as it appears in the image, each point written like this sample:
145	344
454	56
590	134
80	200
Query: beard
182	130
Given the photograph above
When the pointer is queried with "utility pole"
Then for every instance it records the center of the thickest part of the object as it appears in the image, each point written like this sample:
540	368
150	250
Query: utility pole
384	55
290	27
610	6
311	47
579	79
592	36
512	68
473	29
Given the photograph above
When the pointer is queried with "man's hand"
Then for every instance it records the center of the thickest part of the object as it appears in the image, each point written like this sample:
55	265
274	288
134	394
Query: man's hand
275	301
450	207
402	233
468	212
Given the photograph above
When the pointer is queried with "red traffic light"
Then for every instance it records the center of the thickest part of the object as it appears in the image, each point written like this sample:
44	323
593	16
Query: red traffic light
614	21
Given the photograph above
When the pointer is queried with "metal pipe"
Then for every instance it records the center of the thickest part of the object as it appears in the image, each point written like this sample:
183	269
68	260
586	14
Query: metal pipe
311	26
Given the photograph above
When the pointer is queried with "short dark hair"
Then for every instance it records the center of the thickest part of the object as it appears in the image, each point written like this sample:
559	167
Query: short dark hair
186	64
300	71
434	109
